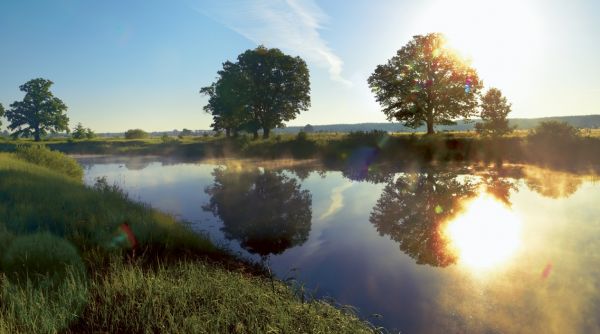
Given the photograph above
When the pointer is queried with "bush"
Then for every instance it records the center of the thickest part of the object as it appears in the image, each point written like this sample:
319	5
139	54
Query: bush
301	136
54	160
166	139
554	132
136	134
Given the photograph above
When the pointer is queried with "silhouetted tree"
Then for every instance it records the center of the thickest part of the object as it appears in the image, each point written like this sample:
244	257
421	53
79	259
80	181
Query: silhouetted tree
39	112
411	209
227	102
266	212
494	114
308	128
426	83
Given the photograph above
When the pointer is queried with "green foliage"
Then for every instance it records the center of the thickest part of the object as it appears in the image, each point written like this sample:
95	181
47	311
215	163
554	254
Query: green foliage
262	90
54	160
554	132
136	134
494	114
39	112
79	132
425	83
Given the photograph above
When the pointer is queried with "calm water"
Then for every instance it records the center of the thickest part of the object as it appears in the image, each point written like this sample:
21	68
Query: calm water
438	249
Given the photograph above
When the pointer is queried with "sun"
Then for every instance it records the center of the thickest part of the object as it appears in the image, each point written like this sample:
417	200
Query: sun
485	235
500	38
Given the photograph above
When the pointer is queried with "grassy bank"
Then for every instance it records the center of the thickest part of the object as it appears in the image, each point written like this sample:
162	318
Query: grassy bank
66	267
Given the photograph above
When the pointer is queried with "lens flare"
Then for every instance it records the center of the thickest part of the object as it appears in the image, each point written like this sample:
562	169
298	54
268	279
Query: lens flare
485	235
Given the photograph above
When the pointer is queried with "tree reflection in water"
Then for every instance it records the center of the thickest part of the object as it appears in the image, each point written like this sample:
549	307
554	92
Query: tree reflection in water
411	209
265	211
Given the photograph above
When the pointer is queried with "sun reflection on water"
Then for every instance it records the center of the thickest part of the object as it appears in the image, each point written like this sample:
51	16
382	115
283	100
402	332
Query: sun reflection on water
485	235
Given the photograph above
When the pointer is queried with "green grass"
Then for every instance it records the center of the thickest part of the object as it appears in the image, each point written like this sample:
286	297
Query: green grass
174	281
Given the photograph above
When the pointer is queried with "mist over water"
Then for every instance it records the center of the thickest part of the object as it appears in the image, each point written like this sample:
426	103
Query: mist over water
430	249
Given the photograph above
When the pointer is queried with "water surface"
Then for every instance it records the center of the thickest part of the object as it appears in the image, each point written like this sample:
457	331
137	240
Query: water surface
428	249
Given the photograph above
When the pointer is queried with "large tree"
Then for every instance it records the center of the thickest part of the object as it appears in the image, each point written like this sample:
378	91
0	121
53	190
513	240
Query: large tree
261	91
494	114
426	83
226	102
38	113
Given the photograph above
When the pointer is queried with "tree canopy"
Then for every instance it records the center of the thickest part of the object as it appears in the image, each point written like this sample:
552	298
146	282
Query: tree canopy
494	114
260	91
38	113
426	83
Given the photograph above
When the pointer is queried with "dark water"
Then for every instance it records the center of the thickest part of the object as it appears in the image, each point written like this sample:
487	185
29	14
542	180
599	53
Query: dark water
436	249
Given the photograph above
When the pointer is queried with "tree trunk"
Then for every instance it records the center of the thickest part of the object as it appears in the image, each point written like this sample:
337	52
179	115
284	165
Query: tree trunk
266	132
430	124
430	128
36	135
255	134
227	132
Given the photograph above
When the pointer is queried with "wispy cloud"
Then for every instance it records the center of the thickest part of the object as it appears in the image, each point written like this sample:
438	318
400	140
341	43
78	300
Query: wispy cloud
291	25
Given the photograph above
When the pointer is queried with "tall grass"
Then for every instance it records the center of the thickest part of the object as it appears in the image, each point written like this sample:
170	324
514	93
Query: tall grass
42	156
198	298
174	281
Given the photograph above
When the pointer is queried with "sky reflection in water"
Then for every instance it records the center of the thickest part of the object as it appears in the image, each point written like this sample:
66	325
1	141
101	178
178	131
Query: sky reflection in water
438	249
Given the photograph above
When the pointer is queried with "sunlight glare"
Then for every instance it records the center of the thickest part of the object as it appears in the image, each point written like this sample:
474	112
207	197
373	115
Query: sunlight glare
501	38
485	235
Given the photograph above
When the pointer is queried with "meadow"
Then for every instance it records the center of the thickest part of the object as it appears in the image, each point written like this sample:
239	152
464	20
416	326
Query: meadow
88	259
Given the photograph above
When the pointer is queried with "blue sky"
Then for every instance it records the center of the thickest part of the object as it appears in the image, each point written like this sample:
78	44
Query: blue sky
140	63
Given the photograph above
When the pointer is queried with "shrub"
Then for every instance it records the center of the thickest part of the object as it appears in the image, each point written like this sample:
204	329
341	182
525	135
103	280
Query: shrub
554	132
301	136
136	134
166	139
54	160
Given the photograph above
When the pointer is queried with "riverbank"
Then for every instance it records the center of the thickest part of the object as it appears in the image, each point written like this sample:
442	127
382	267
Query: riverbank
370	147
141	270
